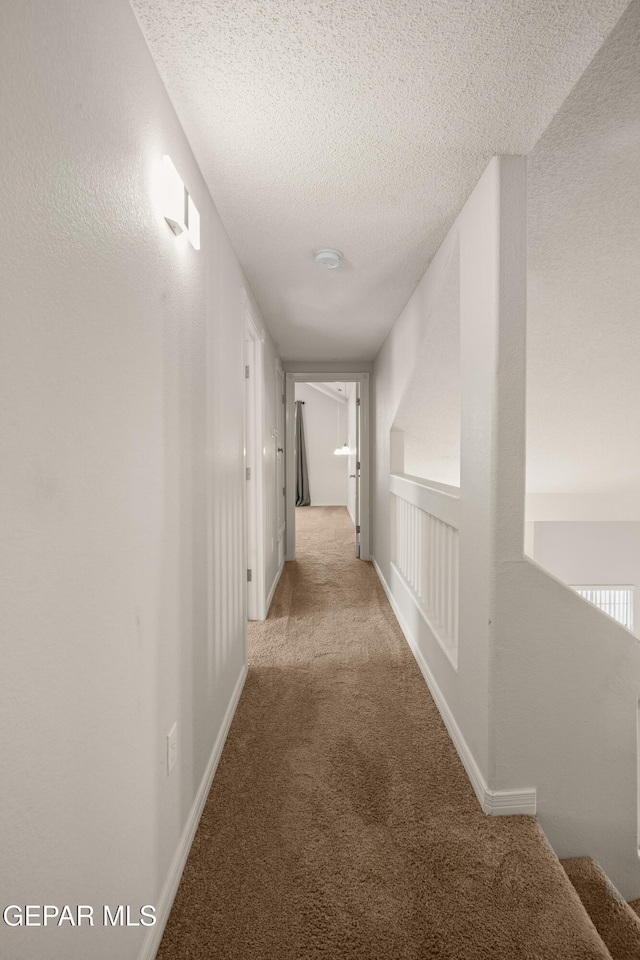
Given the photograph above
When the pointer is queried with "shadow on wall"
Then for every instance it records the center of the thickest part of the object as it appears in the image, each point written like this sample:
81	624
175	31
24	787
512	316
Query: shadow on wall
426	430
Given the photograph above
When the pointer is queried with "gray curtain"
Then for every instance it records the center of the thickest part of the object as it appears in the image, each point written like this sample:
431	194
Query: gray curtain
302	477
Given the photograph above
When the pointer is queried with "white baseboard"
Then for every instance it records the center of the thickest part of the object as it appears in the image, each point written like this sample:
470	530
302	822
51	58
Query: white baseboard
151	943
508	803
494	802
316	503
276	581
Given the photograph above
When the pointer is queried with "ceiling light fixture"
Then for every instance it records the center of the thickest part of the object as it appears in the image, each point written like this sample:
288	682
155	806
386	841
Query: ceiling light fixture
328	258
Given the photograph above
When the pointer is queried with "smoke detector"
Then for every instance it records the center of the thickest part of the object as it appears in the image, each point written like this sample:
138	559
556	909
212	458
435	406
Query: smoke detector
328	258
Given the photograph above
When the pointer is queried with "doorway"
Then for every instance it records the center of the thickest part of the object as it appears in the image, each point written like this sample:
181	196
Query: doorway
280	436
334	408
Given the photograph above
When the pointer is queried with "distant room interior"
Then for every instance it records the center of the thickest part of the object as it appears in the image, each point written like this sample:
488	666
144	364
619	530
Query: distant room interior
326	447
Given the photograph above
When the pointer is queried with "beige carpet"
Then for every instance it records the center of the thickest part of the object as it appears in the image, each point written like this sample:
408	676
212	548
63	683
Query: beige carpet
615	920
340	823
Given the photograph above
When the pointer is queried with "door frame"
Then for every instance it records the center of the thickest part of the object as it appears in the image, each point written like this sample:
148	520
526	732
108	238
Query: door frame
325	373
358	470
253	456
281	465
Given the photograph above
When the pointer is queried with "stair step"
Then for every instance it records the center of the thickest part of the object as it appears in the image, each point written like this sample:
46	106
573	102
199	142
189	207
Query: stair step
617	922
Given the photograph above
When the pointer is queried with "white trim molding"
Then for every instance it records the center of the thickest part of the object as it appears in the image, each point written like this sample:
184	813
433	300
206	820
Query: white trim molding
507	803
325	503
151	944
449	650
439	500
276	581
493	802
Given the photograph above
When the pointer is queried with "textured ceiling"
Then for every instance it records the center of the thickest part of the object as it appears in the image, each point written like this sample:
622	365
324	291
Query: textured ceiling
359	124
583	299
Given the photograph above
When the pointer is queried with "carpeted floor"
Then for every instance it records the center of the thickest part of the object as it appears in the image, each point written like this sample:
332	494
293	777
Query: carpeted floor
616	921
340	823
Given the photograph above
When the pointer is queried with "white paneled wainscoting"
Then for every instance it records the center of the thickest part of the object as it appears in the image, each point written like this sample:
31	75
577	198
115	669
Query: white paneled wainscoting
424	585
617	601
425	552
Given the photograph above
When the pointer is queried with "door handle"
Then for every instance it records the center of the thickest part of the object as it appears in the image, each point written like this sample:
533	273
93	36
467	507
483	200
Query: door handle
280	450
352	475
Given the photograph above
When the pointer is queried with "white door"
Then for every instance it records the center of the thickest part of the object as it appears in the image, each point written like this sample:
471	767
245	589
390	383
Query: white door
250	478
356	479
351	391
280	454
253	445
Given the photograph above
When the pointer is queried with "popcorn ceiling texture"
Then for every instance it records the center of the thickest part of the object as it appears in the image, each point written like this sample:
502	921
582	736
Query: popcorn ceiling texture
360	124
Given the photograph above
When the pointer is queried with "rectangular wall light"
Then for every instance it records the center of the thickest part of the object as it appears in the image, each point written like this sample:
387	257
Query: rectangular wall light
174	199
179	210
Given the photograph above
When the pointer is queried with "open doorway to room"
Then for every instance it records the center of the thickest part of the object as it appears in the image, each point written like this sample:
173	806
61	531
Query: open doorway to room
327	461
328	471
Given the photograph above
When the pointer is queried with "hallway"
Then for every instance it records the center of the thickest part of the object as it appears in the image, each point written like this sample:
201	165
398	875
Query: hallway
207	204
340	822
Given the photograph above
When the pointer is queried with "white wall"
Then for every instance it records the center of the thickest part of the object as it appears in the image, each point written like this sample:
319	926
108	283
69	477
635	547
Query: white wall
579	553
427	422
470	256
583	507
545	697
327	473
122	488
566	687
567	677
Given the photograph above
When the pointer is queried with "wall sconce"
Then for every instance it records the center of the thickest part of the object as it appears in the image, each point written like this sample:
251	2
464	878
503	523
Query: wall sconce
179	210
